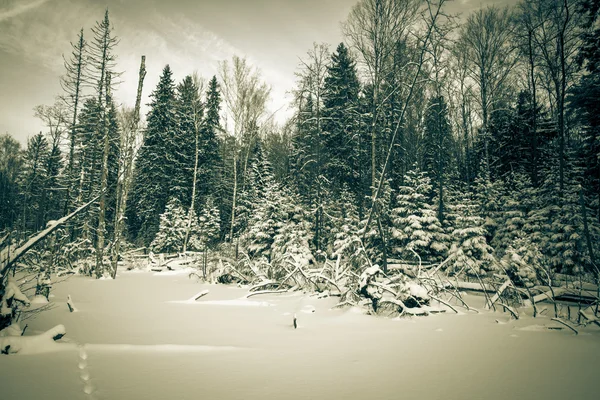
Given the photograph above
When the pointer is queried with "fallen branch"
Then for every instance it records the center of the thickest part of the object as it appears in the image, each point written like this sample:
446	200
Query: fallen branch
565	324
267	292
498	294
589	318
443	302
510	309
9	258
199	295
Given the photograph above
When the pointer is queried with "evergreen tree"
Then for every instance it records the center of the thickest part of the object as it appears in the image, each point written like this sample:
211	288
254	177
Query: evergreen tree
556	225
33	181
189	111
268	215
469	252
172	227
156	163
438	145
209	227
415	224
340	115
11	160
211	164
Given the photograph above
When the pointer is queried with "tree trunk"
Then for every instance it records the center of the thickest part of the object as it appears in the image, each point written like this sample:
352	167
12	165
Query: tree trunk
101	232
193	202
124	180
233	203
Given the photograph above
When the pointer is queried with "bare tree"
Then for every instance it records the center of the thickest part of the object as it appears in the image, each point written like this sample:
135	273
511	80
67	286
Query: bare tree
311	82
430	18
245	96
373	28
129	123
556	35
485	39
73	82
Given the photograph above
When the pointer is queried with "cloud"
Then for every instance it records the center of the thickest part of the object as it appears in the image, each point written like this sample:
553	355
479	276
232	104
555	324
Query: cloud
14	9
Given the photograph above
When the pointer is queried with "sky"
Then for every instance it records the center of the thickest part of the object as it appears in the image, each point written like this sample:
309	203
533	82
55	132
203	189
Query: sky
189	35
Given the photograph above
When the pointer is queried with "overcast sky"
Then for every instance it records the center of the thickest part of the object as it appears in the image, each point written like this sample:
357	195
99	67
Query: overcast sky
190	35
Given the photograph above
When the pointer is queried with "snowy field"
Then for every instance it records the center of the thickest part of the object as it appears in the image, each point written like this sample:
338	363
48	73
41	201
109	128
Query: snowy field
138	337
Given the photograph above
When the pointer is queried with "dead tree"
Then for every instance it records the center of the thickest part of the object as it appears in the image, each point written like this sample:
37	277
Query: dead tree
126	168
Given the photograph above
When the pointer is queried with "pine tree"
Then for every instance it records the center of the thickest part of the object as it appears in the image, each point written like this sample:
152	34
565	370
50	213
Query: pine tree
469	252
172	227
11	161
33	181
340	115
155	164
437	147
294	236
208	229
556	224
268	216
189	113
346	232
211	164
415	224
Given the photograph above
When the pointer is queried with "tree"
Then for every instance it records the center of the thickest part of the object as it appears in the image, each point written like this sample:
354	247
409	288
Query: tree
469	251
172	228
72	83
341	122
311	86
33	180
437	147
155	164
11	161
245	96
208	229
416	228
485	41
557	38
373	28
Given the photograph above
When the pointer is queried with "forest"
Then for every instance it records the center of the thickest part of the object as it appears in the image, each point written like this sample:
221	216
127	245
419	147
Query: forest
424	145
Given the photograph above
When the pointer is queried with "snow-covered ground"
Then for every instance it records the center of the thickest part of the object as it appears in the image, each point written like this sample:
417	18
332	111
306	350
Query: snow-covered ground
139	337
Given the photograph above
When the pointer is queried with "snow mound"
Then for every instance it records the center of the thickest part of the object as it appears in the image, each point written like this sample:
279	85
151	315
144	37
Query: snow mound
418	291
36	344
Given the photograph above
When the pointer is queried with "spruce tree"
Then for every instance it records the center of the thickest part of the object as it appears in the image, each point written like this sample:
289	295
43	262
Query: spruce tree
33	180
210	163
156	163
340	115
469	252
189	112
172	227
437	147
11	161
415	223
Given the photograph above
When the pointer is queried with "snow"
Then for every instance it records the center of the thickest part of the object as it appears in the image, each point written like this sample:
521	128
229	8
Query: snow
35	344
133	339
39	299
